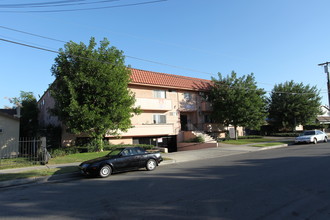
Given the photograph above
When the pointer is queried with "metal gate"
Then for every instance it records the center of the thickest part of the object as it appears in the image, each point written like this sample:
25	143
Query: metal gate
30	151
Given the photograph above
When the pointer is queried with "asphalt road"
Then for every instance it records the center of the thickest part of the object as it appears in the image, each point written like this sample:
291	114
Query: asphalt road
285	183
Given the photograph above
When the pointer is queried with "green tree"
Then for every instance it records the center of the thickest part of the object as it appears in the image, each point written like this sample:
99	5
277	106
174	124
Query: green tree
292	104
91	89
29	113
237	101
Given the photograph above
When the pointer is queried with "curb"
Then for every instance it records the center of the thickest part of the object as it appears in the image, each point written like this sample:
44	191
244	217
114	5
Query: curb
274	147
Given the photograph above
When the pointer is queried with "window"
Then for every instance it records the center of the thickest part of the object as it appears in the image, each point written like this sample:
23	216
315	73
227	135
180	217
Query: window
159	119
160	94
173	114
187	96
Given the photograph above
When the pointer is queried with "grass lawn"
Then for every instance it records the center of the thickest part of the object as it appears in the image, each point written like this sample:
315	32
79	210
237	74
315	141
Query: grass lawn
16	163
72	158
247	141
37	173
80	157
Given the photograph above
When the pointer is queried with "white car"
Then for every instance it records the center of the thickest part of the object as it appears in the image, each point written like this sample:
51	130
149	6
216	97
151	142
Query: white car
312	137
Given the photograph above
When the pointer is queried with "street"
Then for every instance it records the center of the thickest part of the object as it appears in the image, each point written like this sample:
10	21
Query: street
284	183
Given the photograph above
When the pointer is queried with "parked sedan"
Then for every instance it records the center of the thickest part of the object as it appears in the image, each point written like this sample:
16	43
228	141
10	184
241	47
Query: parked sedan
312	137
121	160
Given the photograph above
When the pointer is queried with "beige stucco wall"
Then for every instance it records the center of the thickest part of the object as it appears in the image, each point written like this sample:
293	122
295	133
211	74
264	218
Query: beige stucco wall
121	141
9	137
173	106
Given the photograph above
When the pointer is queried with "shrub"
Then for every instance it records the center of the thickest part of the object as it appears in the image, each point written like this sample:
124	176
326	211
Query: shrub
250	137
60	152
197	139
112	146
92	146
289	134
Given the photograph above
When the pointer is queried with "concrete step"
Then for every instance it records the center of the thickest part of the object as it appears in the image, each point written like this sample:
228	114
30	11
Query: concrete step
207	138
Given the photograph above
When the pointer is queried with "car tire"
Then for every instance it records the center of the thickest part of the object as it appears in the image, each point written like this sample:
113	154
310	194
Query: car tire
105	171
325	139
315	141
151	165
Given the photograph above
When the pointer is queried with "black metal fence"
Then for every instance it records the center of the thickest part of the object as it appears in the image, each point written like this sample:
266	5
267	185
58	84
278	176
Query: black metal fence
30	151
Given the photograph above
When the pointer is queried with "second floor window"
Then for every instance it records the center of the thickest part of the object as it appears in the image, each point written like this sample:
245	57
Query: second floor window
161	94
187	96
159	119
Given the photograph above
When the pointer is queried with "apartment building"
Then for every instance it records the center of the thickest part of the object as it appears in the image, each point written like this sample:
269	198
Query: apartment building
172	107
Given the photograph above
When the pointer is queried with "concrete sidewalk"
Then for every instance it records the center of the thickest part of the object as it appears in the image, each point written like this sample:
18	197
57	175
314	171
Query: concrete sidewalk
175	157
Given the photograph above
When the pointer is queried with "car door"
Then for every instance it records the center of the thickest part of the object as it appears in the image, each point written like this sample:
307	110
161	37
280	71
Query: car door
319	136
136	158
124	161
140	157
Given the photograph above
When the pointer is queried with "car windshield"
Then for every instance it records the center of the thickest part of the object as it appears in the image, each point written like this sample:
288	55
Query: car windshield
115	152
308	133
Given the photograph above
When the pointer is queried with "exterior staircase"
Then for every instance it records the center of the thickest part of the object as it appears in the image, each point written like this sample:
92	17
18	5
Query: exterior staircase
207	138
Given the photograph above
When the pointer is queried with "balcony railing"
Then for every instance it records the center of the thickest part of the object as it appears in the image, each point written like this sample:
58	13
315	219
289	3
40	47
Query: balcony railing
188	106
154	104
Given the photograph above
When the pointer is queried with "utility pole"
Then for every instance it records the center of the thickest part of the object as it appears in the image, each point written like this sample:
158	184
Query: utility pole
326	70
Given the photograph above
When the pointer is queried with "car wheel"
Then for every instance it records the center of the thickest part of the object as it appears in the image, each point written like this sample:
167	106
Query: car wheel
151	164
325	139
315	141
105	171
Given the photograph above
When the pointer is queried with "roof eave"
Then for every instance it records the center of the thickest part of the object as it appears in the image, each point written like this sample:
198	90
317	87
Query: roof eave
168	87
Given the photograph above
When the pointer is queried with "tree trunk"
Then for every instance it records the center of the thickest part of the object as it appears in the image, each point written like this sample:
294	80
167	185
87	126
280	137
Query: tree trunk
100	144
236	136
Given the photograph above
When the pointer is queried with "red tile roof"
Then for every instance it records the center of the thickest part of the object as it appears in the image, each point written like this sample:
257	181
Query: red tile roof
151	78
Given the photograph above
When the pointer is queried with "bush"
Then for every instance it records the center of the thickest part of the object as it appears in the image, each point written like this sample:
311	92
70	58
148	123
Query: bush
288	134
198	139
108	146
60	152
250	137
93	146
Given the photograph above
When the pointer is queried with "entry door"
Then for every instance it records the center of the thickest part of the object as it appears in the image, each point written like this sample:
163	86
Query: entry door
184	122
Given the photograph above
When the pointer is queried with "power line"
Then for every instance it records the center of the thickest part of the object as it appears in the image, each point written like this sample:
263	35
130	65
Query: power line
36	35
28	45
169	65
132	57
53	4
207	52
57	52
87	9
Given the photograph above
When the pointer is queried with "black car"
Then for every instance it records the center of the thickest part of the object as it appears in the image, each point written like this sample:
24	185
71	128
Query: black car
121	160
